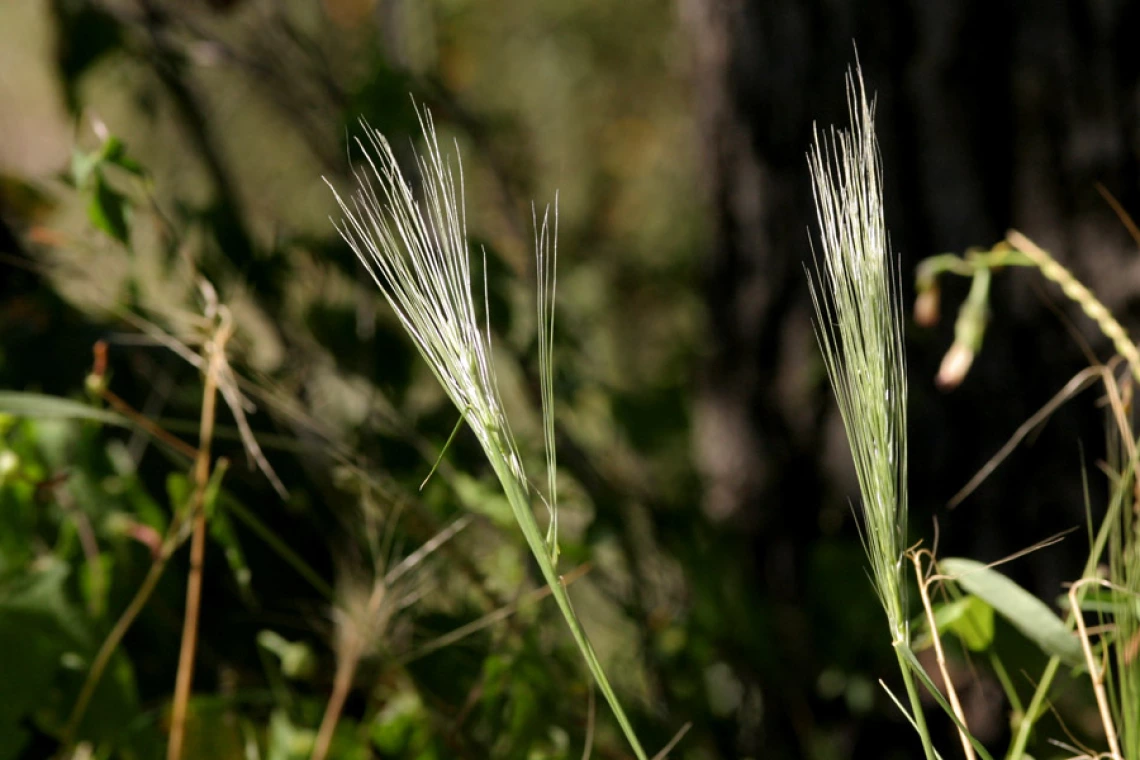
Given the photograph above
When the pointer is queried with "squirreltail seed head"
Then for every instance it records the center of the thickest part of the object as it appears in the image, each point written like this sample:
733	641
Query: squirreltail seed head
857	301
418	255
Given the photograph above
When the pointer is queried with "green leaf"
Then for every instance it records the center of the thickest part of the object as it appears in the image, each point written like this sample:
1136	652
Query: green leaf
37	627
114	152
178	491
82	165
397	727
214	487
297	659
969	618
1026	612
40	406
287	741
107	210
222	531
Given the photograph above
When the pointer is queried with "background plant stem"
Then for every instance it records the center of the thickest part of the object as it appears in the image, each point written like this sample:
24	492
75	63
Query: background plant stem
216	351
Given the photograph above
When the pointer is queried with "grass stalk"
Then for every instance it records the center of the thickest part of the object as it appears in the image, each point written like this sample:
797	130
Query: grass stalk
346	666
859	329
215	362
916	707
416	251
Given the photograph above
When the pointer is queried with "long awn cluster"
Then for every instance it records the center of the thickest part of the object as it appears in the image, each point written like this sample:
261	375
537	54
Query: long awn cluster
418	256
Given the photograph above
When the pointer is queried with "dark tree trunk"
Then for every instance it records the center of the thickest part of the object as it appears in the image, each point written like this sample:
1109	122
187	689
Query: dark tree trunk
990	116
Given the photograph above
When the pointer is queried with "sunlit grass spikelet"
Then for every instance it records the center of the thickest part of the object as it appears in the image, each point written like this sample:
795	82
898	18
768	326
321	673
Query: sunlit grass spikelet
419	258
417	253
856	296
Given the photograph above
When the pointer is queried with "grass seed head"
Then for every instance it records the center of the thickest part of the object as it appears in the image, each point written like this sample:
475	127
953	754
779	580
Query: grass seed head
856	295
416	251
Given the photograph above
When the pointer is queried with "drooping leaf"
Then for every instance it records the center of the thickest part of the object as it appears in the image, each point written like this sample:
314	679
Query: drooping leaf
38	405
1027	613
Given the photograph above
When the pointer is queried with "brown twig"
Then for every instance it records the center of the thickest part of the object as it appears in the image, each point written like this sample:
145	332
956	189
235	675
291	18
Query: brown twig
346	666
924	581
147	424
215	361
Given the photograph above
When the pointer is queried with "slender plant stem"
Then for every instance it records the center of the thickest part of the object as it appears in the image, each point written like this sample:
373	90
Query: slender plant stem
342	683
185	676
1017	750
520	505
916	706
184	680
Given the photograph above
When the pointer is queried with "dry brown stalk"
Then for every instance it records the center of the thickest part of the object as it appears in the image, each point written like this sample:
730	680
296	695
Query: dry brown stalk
215	365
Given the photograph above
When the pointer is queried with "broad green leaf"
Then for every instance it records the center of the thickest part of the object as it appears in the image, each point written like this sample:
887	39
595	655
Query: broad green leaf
402	728
969	618
38	405
1026	612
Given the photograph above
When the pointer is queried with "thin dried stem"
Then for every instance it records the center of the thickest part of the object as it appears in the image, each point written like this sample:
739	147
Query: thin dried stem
215	362
347	663
1096	671
924	581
